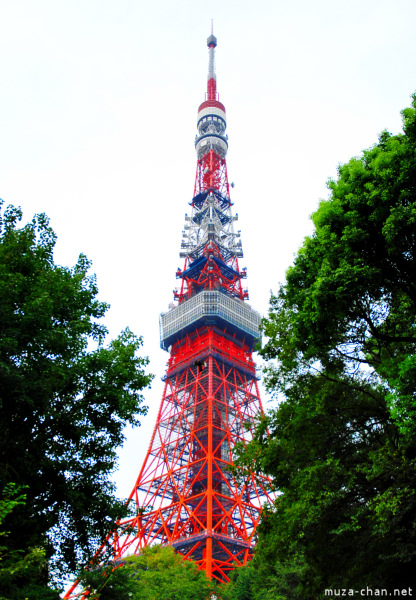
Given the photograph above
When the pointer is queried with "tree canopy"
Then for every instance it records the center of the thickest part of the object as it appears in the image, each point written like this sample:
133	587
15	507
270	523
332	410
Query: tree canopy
22	572
341	346
65	396
158	572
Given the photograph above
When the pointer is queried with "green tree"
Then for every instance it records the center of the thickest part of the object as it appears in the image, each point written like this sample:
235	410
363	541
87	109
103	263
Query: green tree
266	577
158	573
341	341
21	572
240	586
65	396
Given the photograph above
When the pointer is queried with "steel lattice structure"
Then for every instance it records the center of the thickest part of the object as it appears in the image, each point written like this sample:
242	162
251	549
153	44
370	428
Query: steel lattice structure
187	494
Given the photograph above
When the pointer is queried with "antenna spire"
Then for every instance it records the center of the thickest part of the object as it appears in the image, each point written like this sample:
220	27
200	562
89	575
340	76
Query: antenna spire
212	78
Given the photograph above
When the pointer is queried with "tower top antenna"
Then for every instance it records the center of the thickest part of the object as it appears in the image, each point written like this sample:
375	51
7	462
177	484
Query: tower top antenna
212	77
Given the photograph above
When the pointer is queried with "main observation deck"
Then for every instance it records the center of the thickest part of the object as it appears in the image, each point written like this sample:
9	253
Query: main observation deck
210	308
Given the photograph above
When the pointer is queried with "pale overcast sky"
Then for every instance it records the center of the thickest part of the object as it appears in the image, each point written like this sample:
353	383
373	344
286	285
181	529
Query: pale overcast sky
98	111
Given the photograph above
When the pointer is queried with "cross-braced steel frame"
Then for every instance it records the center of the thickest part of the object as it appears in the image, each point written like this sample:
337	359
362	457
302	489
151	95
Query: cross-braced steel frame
188	494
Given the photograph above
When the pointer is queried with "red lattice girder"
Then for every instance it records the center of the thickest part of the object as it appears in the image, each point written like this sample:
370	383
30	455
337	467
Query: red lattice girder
211	174
187	494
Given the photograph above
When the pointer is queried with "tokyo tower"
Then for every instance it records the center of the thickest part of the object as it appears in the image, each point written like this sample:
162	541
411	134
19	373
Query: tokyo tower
187	494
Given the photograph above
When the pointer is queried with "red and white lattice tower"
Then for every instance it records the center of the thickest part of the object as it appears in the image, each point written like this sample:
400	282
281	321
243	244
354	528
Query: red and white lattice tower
187	495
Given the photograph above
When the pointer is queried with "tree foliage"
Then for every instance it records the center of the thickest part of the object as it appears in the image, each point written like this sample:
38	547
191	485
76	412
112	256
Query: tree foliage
156	573
264	578
65	396
22	573
341	341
